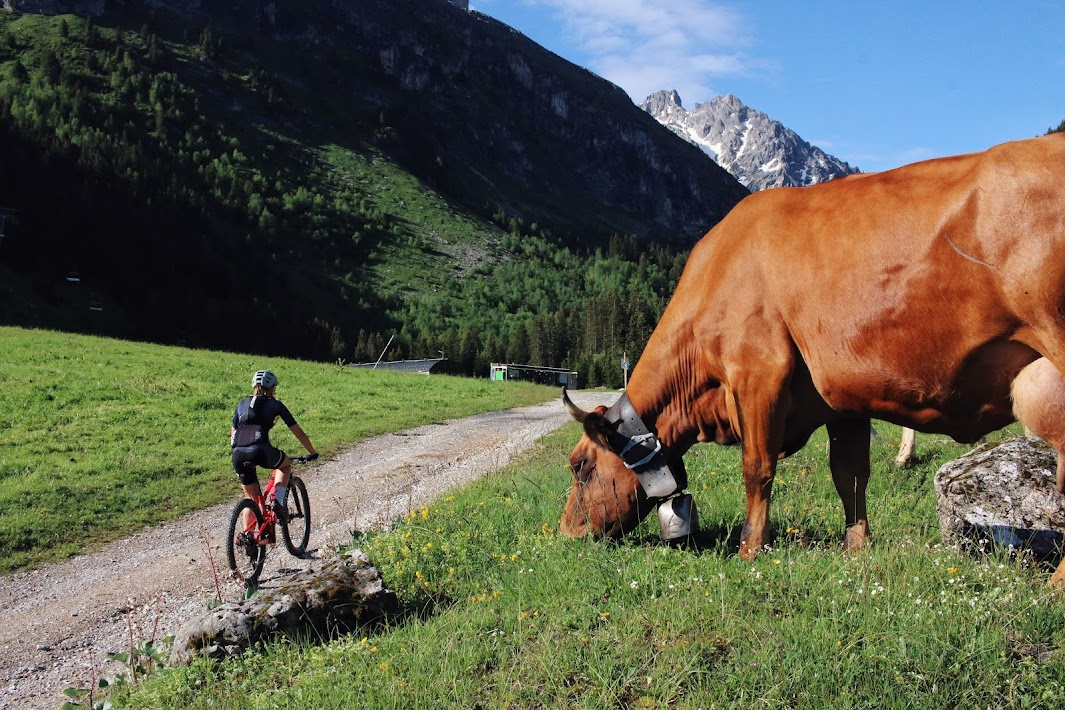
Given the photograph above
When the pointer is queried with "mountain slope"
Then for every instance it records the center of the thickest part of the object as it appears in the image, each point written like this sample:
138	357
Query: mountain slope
759	151
337	171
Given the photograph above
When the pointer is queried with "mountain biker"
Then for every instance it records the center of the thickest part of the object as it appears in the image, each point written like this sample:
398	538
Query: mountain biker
249	436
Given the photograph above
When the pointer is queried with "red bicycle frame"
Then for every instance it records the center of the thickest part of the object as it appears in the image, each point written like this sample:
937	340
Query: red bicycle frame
266	533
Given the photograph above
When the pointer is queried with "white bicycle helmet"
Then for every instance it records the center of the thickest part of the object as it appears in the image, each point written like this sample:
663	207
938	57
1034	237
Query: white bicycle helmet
265	379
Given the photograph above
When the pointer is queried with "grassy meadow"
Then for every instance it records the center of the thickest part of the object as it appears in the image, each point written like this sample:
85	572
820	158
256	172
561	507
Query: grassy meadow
100	438
503	612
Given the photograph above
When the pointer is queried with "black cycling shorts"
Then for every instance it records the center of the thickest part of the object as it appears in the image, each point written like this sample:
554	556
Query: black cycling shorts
246	458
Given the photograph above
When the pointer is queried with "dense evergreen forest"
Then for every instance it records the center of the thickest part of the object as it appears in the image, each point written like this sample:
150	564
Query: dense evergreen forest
157	198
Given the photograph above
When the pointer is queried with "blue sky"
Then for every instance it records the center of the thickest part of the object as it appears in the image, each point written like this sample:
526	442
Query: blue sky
877	84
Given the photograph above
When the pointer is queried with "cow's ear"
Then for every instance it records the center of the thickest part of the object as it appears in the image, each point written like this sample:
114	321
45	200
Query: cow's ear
599	429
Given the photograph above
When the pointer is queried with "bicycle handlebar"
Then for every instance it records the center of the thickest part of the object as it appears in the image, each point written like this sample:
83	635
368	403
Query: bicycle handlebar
306	457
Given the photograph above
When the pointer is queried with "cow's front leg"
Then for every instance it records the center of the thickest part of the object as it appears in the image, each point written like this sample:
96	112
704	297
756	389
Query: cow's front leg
759	471
762	420
848	457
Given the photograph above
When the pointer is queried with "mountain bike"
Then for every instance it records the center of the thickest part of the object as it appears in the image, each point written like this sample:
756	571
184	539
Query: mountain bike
246	543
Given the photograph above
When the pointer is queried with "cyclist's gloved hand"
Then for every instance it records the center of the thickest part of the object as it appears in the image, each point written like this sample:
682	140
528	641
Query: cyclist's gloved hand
311	457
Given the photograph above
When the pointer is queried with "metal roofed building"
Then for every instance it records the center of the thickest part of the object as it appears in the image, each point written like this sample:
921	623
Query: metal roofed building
423	367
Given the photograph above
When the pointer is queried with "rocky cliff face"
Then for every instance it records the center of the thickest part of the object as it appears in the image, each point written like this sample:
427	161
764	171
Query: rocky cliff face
512	124
482	113
759	151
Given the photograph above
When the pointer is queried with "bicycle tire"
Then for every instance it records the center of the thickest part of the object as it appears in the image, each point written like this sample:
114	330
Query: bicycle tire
245	555
297	531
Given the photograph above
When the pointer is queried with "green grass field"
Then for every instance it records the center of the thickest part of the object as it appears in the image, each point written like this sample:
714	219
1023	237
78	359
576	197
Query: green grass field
506	613
100	438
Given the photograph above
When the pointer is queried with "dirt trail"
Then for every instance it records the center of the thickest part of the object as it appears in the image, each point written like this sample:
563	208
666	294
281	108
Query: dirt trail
58	623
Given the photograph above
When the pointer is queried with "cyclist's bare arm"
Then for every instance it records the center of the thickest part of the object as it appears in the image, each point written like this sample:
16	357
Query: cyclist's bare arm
303	439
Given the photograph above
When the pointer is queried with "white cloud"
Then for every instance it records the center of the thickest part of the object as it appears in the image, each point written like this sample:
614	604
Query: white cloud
646	45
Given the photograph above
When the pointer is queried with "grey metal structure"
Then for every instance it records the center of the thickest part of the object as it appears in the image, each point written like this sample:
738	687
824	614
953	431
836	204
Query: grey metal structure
424	367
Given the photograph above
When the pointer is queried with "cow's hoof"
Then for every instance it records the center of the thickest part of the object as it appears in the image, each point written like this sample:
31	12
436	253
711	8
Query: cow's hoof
857	538
752	545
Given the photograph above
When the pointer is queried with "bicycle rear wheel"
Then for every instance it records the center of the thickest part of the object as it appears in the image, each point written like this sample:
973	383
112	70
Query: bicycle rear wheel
297	530
246	556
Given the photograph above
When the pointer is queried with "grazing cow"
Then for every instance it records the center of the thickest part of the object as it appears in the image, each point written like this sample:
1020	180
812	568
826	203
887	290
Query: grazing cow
914	296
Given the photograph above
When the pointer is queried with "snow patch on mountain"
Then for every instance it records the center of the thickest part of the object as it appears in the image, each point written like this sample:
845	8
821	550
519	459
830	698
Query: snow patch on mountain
757	150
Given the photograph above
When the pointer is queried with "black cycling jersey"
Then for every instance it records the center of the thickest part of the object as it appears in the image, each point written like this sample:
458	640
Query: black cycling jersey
265	412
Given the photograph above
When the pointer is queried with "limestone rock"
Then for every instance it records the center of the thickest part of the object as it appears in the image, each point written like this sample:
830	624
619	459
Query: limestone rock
326	599
1003	494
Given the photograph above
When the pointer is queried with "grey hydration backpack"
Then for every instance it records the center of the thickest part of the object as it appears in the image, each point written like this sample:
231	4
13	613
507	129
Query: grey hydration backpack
246	434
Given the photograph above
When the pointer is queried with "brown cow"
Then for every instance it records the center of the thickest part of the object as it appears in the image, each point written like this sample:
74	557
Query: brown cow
914	296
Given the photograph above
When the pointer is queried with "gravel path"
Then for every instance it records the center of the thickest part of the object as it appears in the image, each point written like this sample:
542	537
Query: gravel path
57	624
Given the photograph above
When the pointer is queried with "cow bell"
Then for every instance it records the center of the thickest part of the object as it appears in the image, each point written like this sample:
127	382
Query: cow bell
678	517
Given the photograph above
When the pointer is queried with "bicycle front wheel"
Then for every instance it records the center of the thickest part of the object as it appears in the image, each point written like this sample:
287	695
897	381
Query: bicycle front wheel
246	556
297	530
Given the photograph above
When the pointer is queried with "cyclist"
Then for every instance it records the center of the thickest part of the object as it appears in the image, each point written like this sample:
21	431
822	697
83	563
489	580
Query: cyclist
249	436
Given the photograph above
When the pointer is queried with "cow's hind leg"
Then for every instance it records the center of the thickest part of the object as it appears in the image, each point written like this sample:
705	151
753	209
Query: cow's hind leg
848	457
1038	394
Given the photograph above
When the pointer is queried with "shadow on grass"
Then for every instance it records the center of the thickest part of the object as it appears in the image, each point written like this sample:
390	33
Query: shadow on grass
723	539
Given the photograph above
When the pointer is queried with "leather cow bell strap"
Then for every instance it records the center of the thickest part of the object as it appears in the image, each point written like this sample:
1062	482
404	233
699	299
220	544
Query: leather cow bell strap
643	452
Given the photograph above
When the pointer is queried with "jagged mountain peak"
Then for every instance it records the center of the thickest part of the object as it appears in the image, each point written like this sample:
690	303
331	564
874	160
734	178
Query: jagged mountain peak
759	151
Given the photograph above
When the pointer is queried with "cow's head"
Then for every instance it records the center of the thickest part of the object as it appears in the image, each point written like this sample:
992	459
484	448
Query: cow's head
607	498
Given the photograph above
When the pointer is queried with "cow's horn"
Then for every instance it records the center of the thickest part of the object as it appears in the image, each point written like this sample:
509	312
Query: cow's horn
574	411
